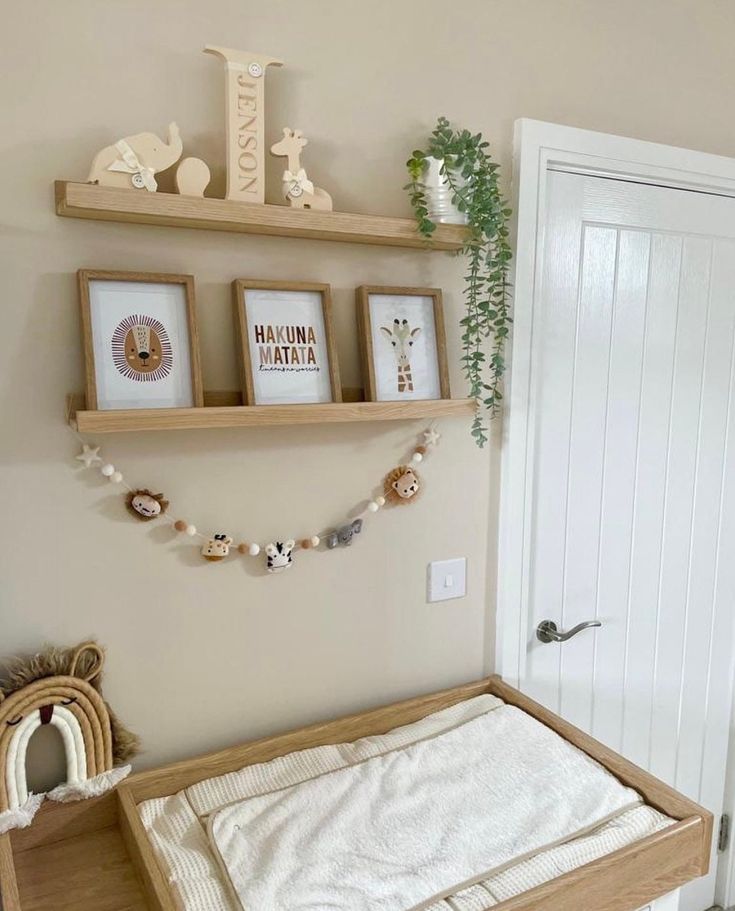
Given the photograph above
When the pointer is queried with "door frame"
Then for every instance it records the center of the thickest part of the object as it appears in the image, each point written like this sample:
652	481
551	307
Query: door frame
539	147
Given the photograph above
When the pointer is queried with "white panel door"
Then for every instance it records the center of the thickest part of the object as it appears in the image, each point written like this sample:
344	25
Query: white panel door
628	499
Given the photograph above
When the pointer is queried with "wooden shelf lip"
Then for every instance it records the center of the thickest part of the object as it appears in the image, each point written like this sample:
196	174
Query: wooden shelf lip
83	200
210	417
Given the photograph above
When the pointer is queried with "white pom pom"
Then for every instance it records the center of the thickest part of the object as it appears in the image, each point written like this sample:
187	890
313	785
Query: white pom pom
254	550
380	501
116	477
417	457
108	470
191	530
315	541
373	506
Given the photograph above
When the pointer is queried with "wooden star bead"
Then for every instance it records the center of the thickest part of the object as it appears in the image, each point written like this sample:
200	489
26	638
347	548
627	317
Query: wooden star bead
180	525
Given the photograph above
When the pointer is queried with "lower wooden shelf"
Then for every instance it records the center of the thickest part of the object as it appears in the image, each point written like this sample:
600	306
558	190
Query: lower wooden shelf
217	414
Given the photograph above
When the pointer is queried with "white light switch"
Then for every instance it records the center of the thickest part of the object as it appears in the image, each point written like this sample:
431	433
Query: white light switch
446	579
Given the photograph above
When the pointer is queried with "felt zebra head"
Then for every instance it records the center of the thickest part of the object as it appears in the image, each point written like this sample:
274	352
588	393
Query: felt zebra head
60	687
278	556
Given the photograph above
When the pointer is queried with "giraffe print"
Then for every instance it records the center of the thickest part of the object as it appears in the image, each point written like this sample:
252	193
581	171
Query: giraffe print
402	336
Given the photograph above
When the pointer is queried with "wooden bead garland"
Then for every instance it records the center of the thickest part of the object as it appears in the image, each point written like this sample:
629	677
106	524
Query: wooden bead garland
402	485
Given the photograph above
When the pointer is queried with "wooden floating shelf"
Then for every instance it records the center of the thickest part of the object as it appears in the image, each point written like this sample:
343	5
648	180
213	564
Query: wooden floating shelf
83	200
231	415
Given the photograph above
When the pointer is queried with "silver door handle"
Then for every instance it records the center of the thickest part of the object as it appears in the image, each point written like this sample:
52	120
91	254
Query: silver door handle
547	630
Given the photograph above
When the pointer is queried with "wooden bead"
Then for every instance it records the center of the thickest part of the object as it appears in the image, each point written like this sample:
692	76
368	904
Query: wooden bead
306	543
243	548
180	525
421	449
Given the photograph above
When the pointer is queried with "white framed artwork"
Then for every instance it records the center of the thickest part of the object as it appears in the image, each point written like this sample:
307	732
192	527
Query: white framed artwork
140	340
403	343
286	344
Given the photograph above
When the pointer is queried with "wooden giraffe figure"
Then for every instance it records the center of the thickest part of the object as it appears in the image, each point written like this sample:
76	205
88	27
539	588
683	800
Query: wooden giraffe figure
297	188
402	336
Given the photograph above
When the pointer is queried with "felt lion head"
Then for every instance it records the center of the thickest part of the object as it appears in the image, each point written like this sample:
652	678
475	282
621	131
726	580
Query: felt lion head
60	687
401	486
145	505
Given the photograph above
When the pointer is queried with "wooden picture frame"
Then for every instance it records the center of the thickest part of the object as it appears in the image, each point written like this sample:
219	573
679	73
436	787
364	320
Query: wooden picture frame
251	394
375	382
85	280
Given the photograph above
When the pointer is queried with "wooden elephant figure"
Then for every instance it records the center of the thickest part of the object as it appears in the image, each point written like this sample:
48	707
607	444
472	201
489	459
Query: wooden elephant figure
133	161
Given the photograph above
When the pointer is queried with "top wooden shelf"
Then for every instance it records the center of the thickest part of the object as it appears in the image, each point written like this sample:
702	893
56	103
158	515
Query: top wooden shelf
84	200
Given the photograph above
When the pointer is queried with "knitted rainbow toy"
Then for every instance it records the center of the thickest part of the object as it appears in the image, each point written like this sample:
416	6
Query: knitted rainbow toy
60	687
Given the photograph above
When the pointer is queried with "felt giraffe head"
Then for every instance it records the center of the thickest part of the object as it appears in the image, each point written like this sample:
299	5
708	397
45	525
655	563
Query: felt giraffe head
59	687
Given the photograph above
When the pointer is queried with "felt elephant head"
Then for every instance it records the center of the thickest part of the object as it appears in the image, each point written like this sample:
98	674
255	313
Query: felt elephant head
344	535
59	687
131	162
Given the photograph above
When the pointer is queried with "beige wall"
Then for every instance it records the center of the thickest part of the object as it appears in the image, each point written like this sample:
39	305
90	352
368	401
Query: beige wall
201	655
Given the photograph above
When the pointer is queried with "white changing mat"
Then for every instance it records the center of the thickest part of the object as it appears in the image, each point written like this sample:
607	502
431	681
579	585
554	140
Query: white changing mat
400	831
176	825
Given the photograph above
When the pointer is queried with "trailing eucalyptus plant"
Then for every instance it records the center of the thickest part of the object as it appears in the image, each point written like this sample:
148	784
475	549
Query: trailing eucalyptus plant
472	176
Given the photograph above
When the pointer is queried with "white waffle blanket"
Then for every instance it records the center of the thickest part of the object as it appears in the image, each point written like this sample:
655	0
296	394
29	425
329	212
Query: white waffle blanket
478	793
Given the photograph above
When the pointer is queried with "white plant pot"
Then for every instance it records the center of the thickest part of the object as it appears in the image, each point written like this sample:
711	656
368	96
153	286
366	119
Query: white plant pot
439	195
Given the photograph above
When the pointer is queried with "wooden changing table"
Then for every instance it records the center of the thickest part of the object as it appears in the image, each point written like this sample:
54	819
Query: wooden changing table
95	856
